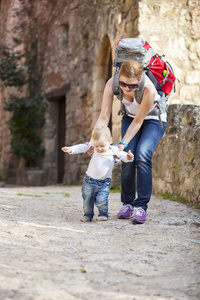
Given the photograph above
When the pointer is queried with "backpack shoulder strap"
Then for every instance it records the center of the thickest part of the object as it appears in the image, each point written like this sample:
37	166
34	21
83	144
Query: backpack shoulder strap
140	90
116	87
117	91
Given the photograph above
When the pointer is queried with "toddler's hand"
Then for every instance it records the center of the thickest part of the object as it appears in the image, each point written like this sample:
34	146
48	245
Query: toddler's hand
130	155
66	149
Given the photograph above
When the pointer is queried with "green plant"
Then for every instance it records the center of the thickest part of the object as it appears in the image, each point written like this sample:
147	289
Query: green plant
196	206
116	189
179	198
66	195
26	120
20	194
19	70
11	73
166	195
82	270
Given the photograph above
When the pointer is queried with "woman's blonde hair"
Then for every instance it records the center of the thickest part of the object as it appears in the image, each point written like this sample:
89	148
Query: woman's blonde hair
131	69
100	131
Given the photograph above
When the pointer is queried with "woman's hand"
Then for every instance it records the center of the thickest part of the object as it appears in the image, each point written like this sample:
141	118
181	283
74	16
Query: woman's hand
90	151
121	147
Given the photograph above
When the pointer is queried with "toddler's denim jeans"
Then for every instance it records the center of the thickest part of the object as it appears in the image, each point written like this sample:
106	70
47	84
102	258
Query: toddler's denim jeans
96	192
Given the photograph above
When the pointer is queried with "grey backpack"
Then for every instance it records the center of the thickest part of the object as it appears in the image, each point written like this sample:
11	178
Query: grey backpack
159	72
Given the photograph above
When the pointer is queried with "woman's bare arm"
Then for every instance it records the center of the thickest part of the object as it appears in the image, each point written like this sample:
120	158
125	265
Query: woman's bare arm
106	107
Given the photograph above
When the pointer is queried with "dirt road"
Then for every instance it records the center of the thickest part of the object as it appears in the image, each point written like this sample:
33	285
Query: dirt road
47	253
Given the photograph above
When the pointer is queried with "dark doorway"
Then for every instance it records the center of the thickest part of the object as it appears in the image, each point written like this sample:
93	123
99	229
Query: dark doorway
61	139
110	63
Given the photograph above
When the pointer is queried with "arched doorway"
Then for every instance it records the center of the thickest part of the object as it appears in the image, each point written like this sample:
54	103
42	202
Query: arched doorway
104	72
54	135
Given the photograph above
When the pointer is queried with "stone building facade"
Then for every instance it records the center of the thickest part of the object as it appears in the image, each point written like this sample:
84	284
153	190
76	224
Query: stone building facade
75	43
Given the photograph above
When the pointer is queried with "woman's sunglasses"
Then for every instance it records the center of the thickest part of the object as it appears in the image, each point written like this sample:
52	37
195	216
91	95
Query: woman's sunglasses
130	86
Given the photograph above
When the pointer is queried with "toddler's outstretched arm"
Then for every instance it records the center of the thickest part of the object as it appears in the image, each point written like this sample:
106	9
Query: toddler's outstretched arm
122	155
76	149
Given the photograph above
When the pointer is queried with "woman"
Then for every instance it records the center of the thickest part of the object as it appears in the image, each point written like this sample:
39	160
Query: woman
141	132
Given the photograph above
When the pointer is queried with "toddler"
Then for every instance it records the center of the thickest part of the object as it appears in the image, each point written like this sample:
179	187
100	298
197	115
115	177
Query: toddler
96	183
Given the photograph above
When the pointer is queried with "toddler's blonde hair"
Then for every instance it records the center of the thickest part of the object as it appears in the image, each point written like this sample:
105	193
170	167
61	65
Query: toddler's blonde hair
100	131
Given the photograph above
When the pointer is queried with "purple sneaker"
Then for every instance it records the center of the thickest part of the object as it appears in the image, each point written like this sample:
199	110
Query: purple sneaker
125	212
139	215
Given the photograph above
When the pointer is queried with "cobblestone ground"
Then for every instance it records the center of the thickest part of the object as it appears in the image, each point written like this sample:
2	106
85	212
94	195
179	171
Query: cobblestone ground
47	253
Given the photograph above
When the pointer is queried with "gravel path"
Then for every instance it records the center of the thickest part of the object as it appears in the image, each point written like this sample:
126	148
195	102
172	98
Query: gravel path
47	253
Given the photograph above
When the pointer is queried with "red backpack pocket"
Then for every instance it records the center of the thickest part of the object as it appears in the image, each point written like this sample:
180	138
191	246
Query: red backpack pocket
162	72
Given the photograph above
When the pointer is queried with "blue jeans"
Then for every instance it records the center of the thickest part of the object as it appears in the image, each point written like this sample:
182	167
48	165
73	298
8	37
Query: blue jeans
96	192
142	146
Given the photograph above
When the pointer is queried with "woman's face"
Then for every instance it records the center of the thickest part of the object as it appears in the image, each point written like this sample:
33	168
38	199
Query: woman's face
128	85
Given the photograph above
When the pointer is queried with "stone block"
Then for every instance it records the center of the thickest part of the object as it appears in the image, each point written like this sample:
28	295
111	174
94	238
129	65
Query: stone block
190	93
34	177
74	4
193	3
192	77
97	102
84	81
49	145
193	56
72	135
55	79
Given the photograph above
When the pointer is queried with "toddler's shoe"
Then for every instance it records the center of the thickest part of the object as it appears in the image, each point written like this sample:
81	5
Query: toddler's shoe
139	215
85	219
102	218
125	212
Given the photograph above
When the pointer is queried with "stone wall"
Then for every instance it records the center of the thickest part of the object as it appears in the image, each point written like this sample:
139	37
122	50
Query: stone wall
9	164
176	160
75	42
86	36
172	28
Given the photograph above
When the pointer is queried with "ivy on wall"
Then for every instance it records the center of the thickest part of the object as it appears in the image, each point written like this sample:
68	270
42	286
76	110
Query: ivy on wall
27	118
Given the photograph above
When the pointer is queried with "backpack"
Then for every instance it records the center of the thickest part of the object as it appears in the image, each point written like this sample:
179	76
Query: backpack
159	72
